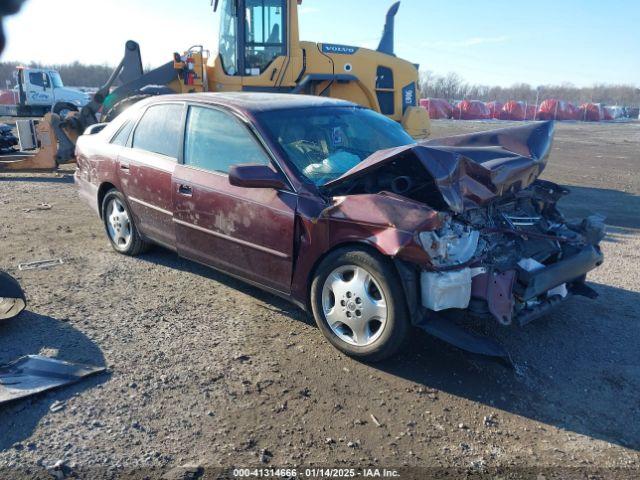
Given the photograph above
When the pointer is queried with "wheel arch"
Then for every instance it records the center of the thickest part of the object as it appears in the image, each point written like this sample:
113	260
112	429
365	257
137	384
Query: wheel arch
102	192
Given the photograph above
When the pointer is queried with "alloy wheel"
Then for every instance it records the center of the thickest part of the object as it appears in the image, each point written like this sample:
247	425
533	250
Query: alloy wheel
354	305
119	224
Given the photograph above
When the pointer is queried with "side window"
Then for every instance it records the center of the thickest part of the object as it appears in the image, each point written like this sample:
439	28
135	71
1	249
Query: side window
159	130
122	136
36	79
216	140
265	30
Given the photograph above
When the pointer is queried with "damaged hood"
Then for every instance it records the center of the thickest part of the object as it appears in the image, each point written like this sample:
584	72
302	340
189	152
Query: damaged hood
470	170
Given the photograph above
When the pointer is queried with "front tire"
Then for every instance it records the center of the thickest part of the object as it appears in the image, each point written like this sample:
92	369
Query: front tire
120	227
359	305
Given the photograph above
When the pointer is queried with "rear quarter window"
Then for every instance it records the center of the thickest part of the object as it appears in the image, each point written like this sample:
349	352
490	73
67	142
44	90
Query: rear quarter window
123	134
160	129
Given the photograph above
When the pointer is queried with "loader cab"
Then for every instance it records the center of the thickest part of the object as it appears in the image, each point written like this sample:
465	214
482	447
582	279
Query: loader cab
255	43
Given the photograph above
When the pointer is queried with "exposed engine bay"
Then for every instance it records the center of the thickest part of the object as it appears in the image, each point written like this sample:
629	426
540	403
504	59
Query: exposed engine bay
502	248
521	256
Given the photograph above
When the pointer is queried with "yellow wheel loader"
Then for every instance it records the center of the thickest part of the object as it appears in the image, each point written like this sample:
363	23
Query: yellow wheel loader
259	50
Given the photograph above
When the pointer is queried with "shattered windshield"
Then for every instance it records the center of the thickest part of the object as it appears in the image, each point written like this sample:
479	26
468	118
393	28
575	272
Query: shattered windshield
324	143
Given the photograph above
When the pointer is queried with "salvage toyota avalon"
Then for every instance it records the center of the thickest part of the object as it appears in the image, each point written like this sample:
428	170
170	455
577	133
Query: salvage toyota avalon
338	209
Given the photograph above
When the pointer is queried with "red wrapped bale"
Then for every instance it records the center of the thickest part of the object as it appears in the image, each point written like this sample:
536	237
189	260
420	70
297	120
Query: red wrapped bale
553	109
494	109
515	111
438	107
8	97
532	111
591	112
471	110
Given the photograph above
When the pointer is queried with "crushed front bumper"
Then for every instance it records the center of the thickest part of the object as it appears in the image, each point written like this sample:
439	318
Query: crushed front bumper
533	284
518	293
538	284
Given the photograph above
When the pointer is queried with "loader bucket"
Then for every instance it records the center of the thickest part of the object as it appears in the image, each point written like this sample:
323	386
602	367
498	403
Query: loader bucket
12	300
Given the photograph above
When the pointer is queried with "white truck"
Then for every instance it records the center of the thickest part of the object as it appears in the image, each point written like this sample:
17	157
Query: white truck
36	93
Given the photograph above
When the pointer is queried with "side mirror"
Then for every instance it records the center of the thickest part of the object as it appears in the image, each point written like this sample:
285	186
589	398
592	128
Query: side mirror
255	176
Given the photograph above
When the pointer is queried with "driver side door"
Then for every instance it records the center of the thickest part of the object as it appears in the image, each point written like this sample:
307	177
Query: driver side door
39	91
247	232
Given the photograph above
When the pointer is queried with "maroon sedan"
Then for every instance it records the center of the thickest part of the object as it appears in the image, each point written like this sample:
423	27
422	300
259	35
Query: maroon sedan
338	209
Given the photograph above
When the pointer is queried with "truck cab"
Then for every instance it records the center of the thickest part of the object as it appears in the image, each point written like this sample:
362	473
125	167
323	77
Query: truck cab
38	90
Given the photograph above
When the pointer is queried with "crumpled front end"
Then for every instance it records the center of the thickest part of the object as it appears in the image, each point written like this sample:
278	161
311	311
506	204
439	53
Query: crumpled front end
513	259
498	245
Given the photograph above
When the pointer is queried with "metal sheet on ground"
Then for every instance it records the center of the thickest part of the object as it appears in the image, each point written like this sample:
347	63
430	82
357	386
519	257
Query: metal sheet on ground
35	374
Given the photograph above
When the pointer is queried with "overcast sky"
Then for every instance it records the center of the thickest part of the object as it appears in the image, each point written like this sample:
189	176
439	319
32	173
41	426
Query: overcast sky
496	42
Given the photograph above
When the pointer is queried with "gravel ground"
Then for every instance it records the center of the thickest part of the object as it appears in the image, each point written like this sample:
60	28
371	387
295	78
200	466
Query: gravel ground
203	370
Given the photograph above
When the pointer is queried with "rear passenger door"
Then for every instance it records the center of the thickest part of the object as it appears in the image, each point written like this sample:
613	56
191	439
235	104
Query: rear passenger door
147	167
244	231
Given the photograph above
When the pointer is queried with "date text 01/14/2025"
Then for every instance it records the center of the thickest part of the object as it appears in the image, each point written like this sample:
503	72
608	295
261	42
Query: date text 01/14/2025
315	473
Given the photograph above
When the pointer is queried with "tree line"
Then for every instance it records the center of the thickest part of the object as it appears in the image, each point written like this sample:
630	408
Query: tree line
73	74
450	87
453	87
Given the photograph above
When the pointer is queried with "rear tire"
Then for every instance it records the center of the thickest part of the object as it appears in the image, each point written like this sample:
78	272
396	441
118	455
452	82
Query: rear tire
120	226
359	304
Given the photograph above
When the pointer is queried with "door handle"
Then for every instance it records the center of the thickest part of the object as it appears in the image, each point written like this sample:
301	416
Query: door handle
273	74
185	190
124	166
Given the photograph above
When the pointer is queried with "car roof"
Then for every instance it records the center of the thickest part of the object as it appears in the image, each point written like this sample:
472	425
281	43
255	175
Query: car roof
254	102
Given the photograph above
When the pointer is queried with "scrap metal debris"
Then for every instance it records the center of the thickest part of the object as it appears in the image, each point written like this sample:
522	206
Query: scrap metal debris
35	374
12	300
40	206
40	264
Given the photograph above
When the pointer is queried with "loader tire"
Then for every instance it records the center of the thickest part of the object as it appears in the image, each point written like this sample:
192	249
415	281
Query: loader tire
64	108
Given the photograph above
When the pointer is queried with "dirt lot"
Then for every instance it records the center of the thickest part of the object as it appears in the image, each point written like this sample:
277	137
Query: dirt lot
206	371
